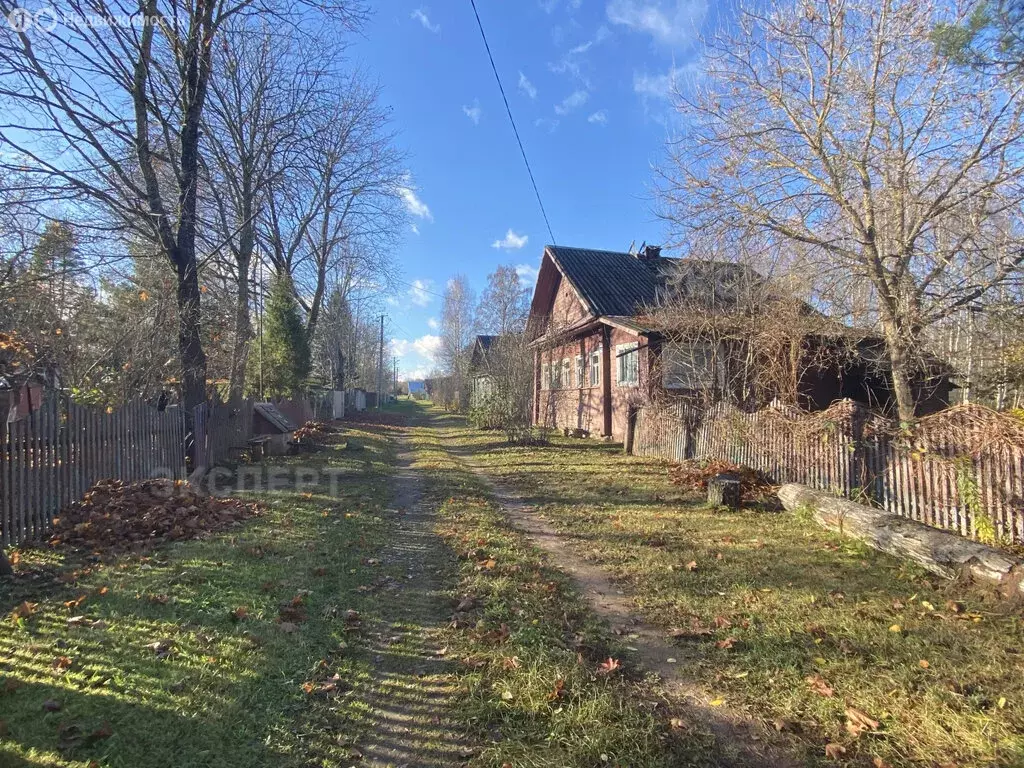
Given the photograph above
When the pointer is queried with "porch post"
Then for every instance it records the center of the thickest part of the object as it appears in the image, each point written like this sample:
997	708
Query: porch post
606	377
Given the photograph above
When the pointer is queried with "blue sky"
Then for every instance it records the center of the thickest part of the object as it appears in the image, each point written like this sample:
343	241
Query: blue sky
588	82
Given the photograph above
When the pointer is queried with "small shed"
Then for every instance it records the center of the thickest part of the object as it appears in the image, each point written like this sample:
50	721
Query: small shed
272	428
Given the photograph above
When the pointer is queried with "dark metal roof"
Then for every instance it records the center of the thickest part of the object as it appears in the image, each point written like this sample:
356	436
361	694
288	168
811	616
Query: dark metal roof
612	282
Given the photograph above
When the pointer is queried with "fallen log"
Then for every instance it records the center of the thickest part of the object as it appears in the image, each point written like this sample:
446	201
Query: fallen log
945	554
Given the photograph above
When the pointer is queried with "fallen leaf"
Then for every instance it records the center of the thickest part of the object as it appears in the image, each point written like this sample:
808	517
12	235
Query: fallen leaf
607	667
507	696
677	723
834	751
880	763
239	613
62	662
819	686
726	644
25	610
716	702
923	664
896	628
691	566
52	705
857	721
558	690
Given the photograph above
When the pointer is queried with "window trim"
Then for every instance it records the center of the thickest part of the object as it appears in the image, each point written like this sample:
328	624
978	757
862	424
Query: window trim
621	355
596	364
565	374
581	372
545	376
712	372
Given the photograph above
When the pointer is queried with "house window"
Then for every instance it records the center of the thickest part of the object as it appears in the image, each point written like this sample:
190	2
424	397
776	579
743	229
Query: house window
566	373
595	367
545	376
689	365
581	372
628	367
555	376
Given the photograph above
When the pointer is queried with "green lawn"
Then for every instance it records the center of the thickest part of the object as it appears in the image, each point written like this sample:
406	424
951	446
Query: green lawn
531	654
783	620
235	686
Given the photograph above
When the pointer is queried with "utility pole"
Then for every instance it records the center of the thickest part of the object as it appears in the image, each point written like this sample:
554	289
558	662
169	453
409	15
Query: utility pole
380	365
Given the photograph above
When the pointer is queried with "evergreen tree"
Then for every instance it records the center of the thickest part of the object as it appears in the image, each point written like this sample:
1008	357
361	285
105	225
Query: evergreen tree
286	359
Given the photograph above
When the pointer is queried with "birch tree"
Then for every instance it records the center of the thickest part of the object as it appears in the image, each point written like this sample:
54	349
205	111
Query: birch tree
879	168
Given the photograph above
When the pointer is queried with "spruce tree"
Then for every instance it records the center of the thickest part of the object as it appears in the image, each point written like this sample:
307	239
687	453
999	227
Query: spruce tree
286	357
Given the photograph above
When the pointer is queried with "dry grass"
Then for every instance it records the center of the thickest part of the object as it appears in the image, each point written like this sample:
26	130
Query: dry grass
771	612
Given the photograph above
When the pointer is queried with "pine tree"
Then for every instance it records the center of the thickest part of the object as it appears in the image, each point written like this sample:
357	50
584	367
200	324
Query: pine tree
286	356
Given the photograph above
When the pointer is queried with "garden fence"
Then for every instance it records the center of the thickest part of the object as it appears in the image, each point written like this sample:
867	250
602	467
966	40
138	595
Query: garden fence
961	469
51	457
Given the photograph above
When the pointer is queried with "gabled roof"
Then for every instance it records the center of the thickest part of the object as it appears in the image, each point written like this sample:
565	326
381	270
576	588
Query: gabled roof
612	282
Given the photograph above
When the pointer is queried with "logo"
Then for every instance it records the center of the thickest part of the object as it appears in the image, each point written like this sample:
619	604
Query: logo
20	19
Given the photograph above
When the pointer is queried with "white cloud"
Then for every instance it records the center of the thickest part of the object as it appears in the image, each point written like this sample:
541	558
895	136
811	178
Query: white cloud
511	241
426	347
413	204
415	229
432	323
674	23
419	293
527	273
600	117
663	86
474	112
526	86
548	123
573	101
421	16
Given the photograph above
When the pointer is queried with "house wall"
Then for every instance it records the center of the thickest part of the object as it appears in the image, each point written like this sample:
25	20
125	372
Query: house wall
582	407
566	309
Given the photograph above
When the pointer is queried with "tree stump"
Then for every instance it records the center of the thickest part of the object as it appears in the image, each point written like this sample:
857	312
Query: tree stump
724	491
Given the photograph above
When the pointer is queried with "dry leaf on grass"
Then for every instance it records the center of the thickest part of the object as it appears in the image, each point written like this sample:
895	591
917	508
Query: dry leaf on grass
857	722
834	751
819	686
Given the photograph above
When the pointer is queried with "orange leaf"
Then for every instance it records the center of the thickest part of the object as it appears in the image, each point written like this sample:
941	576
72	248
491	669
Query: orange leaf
834	751
819	686
607	667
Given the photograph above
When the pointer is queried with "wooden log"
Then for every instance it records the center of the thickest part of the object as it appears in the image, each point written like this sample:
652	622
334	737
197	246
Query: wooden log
724	491
945	554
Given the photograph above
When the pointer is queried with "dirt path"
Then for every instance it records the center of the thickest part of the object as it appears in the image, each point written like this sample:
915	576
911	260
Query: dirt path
409	720
739	740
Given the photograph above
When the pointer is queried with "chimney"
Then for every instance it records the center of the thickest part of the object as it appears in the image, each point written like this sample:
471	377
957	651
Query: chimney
648	253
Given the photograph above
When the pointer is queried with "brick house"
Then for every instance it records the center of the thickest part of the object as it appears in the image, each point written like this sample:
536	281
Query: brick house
595	357
590	353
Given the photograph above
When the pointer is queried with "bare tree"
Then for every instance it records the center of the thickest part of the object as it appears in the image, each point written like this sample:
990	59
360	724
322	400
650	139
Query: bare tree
457	333
109	114
505	303
264	86
834	127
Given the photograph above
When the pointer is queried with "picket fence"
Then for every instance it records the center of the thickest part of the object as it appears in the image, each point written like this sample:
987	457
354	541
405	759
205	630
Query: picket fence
51	457
960	470
221	430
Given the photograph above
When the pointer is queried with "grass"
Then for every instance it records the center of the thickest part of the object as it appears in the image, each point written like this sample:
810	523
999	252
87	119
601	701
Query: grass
230	692
530	651
938	665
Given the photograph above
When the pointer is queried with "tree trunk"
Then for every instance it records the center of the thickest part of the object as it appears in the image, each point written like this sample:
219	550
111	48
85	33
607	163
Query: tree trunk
243	324
946	554
5	565
190	343
901	371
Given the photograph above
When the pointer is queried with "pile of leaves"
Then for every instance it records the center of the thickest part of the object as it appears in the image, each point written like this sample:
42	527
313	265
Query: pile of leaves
115	516
692	475
315	432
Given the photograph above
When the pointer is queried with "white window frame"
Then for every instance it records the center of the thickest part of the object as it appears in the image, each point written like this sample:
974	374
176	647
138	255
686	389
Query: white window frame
545	376
694	379
581	372
595	366
623	354
565	381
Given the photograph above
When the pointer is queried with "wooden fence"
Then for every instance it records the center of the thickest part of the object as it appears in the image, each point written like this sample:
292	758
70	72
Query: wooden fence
221	431
961	469
50	458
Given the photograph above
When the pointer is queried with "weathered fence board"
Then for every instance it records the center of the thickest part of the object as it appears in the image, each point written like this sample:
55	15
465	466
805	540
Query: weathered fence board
51	457
961	469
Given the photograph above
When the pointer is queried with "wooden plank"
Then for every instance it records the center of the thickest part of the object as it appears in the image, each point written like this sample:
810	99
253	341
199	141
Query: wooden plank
6	539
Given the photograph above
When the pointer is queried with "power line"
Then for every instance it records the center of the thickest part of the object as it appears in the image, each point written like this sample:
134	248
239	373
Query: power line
515	130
